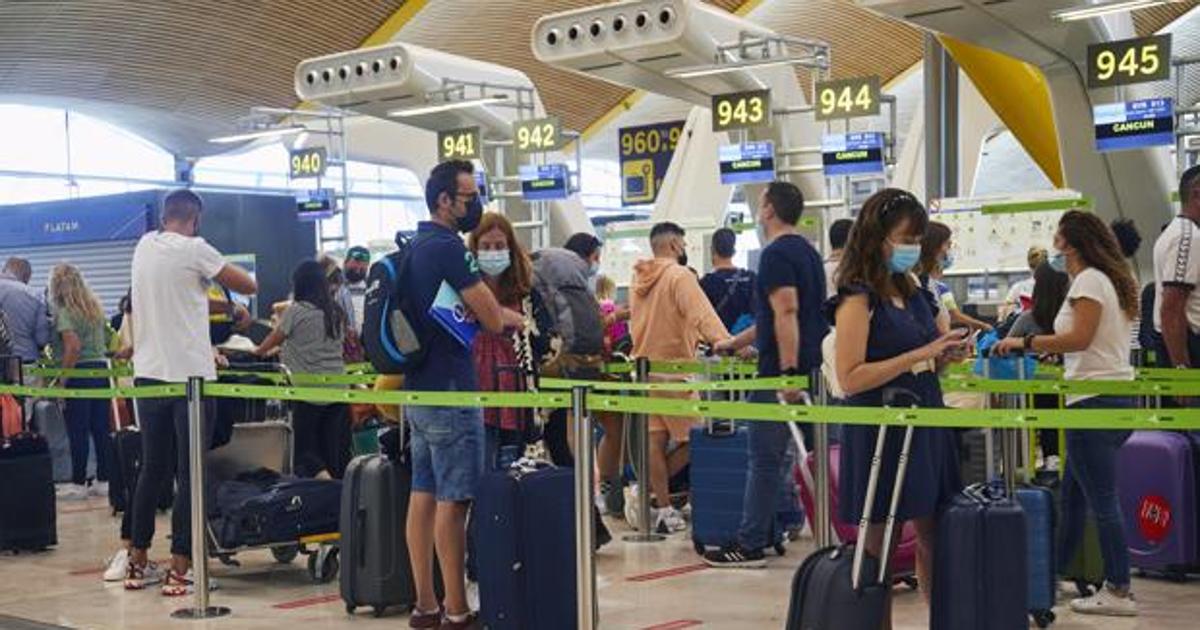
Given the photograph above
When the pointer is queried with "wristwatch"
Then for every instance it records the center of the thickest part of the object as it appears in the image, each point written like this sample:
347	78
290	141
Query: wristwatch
1028	344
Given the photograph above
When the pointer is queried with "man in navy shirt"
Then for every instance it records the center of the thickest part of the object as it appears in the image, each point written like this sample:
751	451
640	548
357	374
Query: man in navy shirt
729	289
788	332
447	442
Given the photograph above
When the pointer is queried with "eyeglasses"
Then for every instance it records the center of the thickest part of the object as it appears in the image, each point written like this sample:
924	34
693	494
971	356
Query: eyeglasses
466	197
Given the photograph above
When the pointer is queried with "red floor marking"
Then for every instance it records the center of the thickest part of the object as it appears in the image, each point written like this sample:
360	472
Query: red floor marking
81	510
91	571
310	601
676	625
666	573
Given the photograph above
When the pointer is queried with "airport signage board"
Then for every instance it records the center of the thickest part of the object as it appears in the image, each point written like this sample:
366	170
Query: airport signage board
79	221
852	153
537	135
309	162
545	182
645	154
741	110
313	205
1134	124
747	163
1129	61
481	182
459	144
848	98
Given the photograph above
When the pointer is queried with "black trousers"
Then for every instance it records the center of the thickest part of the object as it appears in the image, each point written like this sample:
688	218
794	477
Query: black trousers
322	439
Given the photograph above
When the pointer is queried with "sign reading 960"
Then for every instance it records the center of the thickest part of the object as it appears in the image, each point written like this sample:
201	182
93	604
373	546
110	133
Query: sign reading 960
459	144
651	139
741	110
847	98
1129	61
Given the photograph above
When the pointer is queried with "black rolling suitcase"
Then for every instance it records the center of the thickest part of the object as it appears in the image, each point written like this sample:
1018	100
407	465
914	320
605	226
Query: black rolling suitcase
841	587
28	521
125	457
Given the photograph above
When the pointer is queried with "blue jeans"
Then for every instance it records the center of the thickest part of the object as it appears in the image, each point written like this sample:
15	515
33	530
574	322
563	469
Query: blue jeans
502	447
769	488
1091	480
87	418
447	451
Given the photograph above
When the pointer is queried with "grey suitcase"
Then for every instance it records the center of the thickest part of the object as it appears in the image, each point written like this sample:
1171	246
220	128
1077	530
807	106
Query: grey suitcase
49	422
375	566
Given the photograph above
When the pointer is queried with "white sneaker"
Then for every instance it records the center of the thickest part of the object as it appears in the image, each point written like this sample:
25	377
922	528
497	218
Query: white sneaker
473	595
1106	603
117	566
632	517
669	521
98	489
686	511
71	492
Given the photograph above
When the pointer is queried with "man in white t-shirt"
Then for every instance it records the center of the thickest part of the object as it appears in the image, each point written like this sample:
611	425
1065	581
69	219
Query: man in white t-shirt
172	268
1177	278
1020	294
839	233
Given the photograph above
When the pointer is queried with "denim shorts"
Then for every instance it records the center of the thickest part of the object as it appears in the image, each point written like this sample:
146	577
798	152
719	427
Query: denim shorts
447	451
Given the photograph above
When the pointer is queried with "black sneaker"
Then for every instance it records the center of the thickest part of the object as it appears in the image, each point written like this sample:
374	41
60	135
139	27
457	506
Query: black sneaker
736	558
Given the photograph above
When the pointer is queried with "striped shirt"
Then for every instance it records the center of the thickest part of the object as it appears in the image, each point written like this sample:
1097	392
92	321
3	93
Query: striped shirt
24	312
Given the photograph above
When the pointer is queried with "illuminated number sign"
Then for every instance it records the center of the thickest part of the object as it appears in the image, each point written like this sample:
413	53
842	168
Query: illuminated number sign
741	110
459	144
1129	61
544	182
847	98
308	162
747	163
537	136
1135	124
645	155
852	153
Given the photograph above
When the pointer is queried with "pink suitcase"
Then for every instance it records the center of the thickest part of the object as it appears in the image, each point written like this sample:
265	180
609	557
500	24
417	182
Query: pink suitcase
903	562
1156	481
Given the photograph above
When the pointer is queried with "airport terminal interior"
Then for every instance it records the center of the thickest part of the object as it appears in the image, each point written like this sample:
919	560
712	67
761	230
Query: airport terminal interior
285	184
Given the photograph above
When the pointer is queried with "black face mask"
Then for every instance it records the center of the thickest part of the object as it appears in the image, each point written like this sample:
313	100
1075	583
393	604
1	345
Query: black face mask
682	258
355	276
474	215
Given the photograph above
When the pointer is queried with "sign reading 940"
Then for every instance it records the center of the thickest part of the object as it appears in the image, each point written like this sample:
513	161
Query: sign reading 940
1129	61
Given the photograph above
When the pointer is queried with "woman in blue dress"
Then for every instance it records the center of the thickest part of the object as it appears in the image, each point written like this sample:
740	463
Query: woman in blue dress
887	339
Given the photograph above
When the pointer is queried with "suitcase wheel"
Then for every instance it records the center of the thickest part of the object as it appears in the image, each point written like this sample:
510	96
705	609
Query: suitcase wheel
350	608
378	611
780	550
1043	618
700	549
285	555
323	565
910	581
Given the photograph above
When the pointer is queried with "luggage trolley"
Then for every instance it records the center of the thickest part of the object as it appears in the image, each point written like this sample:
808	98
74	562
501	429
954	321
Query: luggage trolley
267	445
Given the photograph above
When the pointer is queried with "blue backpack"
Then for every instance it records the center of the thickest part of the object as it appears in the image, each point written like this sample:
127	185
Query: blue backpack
391	341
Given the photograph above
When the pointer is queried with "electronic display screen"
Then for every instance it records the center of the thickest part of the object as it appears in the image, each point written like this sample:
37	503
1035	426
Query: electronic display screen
314	205
1134	124
852	153
747	163
544	182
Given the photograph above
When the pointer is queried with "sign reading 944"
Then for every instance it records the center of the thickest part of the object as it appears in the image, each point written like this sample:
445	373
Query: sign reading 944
847	98
537	135
459	144
741	110
308	162
1129	61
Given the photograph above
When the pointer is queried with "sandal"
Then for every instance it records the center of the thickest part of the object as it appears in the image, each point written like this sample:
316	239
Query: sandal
138	577
176	585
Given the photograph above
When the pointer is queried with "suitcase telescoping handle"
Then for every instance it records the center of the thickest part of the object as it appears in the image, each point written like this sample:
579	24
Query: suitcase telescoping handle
890	395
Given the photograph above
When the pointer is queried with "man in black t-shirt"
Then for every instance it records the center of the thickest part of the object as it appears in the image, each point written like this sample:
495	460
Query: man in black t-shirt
788	333
729	288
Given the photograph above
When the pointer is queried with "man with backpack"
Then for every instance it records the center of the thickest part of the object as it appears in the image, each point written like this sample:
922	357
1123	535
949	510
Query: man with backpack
444	297
729	288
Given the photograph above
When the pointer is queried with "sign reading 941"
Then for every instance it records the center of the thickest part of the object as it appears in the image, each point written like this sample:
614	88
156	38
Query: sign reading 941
1129	61
847	98
459	144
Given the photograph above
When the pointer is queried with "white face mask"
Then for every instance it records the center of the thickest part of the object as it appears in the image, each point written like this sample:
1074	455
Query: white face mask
493	262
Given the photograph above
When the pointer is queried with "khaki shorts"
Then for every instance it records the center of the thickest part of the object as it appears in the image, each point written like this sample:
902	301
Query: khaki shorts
677	427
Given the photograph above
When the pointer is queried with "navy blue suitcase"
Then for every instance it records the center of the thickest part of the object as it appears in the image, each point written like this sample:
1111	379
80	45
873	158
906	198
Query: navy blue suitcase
719	466
1038	504
525	549
978	583
283	512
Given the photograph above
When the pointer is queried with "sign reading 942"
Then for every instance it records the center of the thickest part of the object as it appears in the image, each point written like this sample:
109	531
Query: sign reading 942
741	110
847	98
537	136
1129	61
459	144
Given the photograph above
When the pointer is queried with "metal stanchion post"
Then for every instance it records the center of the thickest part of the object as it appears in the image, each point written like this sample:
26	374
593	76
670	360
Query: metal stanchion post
644	533
196	451
585	533
822	520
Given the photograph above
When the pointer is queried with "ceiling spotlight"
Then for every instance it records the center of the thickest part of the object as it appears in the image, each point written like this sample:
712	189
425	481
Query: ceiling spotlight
1088	11
447	106
270	132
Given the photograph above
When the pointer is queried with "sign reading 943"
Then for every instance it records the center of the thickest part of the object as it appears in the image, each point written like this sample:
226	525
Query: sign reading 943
741	110
847	98
308	162
1129	61
459	144
537	136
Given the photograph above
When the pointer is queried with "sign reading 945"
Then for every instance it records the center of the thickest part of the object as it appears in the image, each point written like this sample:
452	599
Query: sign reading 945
537	136
847	98
308	162
459	144
1129	61
741	110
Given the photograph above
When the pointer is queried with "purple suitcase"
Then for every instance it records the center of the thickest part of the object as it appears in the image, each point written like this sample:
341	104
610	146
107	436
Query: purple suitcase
1156	481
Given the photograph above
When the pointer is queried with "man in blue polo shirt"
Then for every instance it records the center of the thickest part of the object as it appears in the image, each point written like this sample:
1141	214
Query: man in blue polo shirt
788	331
447	442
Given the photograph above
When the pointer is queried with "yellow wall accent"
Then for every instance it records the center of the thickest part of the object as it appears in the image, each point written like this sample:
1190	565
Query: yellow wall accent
392	25
1018	93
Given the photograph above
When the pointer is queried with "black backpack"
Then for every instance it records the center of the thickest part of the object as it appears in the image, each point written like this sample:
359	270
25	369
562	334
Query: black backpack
391	342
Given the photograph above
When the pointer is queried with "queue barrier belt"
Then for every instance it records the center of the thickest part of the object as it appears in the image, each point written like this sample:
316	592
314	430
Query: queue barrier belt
1151	419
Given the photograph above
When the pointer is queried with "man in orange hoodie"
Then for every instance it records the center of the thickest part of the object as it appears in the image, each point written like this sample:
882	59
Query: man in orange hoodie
670	316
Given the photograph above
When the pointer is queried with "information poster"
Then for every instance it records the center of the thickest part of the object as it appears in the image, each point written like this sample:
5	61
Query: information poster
747	163
1134	124
852	153
646	153
545	182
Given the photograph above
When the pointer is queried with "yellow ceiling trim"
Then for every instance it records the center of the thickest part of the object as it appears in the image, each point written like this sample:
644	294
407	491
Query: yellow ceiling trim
1018	93
392	25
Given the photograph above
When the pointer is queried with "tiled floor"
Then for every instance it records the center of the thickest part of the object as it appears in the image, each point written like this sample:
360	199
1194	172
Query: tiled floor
659	586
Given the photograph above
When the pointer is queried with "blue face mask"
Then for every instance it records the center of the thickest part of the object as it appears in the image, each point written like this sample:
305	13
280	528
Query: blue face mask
493	262
1058	262
904	257
947	261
